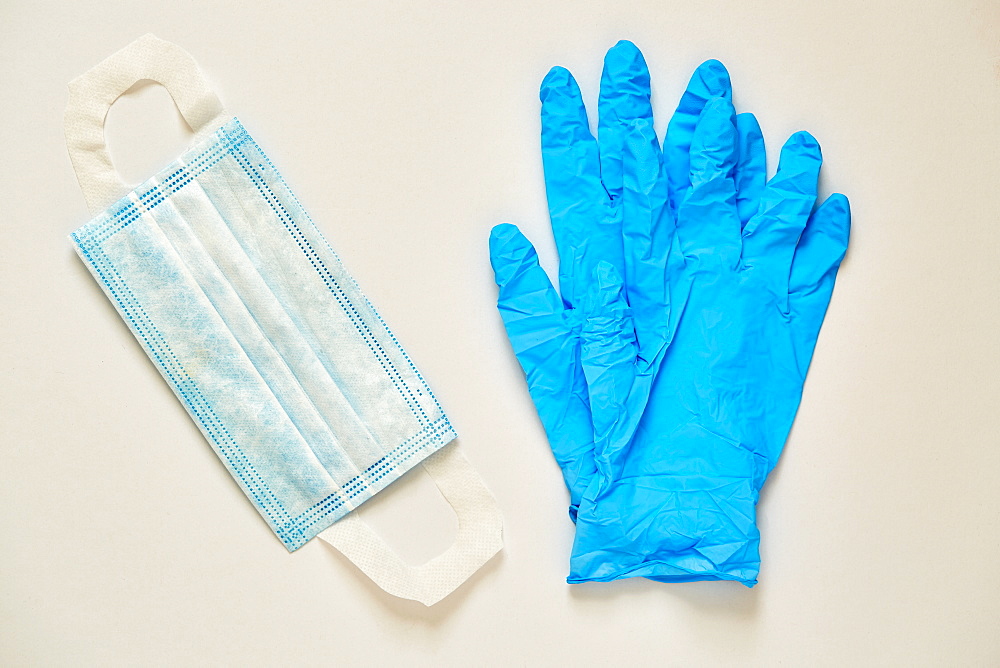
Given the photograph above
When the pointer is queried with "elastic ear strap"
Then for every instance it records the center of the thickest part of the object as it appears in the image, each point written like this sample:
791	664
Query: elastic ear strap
480	536
93	93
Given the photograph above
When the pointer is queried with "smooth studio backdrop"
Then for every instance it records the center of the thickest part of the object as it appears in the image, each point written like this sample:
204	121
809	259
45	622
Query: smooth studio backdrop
408	129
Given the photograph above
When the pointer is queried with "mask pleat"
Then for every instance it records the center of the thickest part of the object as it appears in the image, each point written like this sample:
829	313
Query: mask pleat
214	359
323	311
261	326
348	432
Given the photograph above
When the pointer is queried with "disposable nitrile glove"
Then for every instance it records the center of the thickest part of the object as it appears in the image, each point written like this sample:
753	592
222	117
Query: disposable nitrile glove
596	220
688	354
676	501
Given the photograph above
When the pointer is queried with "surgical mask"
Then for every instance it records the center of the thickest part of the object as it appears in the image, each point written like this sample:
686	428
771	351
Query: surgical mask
249	315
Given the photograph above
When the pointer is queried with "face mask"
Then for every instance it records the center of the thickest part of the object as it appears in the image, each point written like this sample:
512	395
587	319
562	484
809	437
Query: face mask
285	366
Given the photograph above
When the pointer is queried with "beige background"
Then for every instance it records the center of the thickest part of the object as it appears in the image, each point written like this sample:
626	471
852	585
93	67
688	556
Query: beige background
408	129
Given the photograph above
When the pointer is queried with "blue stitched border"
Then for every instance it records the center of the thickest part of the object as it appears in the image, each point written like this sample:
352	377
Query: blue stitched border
293	531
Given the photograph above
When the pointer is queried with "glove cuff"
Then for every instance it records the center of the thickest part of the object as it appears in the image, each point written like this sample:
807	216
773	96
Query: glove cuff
703	529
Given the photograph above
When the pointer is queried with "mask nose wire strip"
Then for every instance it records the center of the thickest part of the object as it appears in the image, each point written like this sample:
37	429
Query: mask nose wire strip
480	524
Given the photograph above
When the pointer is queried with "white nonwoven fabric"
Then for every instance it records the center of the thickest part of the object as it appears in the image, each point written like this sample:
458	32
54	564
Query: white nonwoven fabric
334	429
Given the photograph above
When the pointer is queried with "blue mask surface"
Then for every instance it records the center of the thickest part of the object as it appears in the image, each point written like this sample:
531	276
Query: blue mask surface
669	367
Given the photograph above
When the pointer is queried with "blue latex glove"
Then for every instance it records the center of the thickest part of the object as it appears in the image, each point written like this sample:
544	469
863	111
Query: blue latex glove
600	223
668	376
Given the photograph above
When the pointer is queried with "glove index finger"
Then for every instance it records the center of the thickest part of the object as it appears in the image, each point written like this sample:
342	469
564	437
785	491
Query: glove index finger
708	222
577	200
710	80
